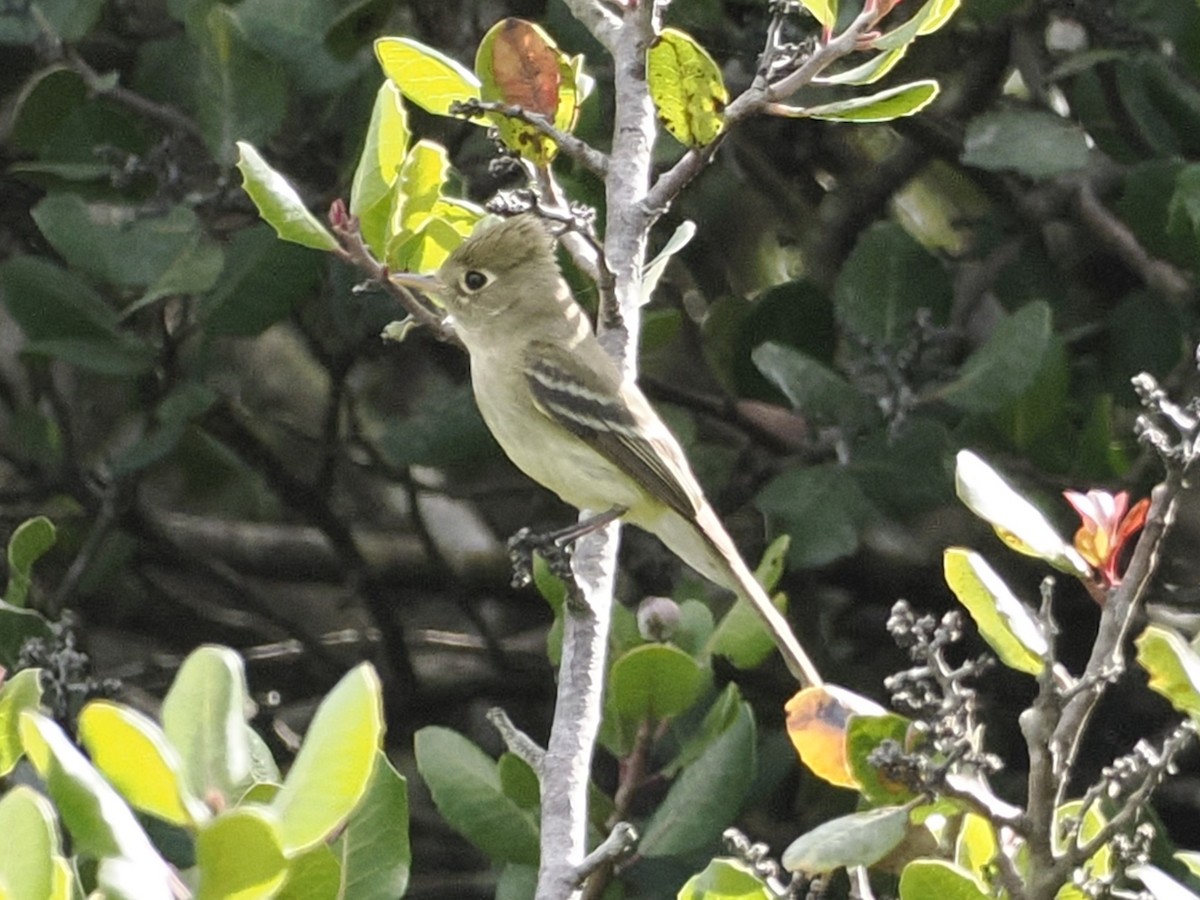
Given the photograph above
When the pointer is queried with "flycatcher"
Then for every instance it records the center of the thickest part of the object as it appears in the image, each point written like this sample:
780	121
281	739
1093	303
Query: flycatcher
560	408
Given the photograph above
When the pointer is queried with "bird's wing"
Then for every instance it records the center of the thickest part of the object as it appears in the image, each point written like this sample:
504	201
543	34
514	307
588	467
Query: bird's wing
615	419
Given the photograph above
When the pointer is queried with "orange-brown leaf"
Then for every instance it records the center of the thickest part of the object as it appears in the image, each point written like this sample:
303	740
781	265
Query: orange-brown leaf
525	69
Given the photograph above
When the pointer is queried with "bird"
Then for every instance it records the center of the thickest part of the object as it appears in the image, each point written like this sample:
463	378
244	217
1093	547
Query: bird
563	412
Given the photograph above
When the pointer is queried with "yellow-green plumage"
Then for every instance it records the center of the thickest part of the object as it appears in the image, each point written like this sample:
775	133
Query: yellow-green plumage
559	407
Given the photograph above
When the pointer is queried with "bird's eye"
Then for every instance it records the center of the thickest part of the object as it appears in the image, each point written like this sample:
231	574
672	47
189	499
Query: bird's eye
473	279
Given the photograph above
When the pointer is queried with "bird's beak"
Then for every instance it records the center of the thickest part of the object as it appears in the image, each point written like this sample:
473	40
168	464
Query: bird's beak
426	284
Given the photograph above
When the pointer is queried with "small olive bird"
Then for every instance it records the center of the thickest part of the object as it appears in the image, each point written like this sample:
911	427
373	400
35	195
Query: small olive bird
560	408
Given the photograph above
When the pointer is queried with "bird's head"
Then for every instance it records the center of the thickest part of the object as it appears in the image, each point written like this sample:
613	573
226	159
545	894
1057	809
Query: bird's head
488	273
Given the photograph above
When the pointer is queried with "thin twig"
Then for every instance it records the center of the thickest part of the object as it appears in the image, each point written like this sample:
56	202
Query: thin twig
579	150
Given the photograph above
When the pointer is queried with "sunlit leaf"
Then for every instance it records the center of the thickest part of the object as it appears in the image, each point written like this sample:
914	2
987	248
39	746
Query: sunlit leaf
32	846
134	755
976	845
1018	522
20	692
869	72
279	204
1174	668
824	11
727	879
817	721
893	103
686	87
1003	621
335	762
428	78
926	878
422	176
379	167
239	854
929	18
1160	885
653	270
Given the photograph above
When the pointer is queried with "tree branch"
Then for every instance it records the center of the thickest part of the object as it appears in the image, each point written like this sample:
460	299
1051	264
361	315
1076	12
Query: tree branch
579	150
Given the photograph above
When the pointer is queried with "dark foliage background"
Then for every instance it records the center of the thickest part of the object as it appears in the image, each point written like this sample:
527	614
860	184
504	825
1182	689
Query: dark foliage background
232	454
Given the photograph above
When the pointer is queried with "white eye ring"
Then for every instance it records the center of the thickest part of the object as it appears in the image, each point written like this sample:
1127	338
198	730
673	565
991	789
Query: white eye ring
475	280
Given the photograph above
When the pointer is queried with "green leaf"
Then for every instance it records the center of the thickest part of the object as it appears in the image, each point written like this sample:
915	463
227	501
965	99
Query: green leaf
68	20
518	64
885	282
29	541
422	176
20	692
869	72
124	246
101	825
1017	522
814	390
726	879
204	718
279	204
239	94
263	279
428	78
316	874
1173	666
687	88
824	11
374	848
864	734
924	878
1003	368
774	560
1003	621
371	193
240	854
135	756
1032	142
32	847
426	248
64	318
821	507
654	681
902	470
928	19
894	103
707	795
295	35
859	839
466	788
335	763
740	636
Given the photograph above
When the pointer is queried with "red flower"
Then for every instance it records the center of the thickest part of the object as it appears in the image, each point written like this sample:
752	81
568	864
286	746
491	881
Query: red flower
1106	529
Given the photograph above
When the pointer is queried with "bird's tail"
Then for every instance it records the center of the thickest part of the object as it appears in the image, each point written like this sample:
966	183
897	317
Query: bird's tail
705	545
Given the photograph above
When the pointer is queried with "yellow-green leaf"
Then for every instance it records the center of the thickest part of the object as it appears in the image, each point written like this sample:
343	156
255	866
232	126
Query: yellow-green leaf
824	11
22	691
420	187
371	192
425	249
279	204
1174	668
335	762
239	855
428	78
1003	620
134	755
869	72
686	87
928	19
1018	522
31	845
882	107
